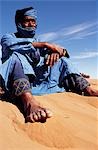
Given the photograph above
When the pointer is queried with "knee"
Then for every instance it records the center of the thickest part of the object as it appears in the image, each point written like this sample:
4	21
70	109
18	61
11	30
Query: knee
15	64
15	59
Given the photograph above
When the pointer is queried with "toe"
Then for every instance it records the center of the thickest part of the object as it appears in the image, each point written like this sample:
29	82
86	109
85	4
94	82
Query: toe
35	116
48	113
39	115
29	118
43	113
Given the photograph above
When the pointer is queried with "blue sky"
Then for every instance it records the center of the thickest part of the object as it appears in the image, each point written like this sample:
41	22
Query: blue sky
71	24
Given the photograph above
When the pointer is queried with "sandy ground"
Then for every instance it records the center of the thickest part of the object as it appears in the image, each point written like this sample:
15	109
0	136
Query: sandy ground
74	125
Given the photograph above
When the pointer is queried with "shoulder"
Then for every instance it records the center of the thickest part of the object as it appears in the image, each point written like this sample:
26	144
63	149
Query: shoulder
8	36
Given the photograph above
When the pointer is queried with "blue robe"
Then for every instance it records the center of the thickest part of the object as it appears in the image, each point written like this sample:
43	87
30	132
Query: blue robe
47	79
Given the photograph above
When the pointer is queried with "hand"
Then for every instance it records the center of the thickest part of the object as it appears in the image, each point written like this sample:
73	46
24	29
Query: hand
52	58
54	48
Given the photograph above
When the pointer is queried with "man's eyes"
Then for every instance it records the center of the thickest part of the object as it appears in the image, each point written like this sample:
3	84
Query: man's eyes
28	20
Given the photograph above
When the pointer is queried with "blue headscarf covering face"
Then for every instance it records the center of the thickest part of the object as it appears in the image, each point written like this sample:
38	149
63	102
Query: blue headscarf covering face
27	32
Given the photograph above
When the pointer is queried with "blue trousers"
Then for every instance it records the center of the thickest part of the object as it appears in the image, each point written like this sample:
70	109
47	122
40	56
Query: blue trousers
48	80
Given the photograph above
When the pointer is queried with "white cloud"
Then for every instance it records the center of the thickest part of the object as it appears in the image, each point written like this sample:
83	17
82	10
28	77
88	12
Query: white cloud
84	55
78	31
48	36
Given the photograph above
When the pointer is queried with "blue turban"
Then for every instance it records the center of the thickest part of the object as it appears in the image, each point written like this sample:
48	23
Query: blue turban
25	32
32	13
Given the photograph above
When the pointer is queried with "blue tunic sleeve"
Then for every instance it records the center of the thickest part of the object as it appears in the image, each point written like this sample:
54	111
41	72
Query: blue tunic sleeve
10	43
23	48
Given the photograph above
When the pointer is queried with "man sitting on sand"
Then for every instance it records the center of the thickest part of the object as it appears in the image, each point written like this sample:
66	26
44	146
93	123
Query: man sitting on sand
30	67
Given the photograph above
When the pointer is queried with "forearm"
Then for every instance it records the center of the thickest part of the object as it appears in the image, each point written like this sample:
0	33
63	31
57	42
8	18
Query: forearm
52	47
39	44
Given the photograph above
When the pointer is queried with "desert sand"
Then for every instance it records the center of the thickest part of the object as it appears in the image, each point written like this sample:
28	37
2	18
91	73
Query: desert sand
72	127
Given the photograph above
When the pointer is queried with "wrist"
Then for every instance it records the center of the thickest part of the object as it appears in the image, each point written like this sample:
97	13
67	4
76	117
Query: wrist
65	53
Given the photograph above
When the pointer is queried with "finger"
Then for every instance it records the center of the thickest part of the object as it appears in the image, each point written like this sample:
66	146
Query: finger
51	60
57	57
54	59
48	59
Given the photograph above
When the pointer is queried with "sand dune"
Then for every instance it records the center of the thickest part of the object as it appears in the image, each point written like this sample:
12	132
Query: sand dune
72	127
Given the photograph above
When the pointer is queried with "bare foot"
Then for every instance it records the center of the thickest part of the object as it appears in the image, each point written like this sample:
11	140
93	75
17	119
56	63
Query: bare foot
33	111
85	75
90	92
